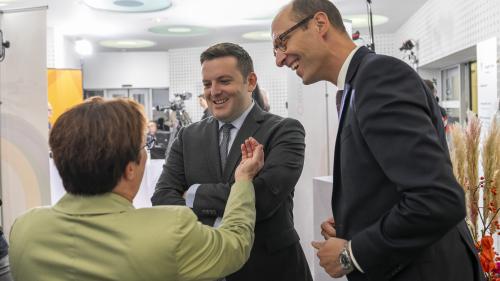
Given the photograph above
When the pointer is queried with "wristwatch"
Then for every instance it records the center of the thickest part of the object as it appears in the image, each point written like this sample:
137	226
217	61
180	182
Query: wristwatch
345	259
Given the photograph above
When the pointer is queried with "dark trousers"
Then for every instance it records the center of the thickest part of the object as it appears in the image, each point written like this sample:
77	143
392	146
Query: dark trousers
287	264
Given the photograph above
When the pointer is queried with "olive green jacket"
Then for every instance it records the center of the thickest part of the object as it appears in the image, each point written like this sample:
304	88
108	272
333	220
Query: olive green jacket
105	238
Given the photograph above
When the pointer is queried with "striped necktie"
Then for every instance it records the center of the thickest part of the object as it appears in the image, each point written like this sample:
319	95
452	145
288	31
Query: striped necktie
224	145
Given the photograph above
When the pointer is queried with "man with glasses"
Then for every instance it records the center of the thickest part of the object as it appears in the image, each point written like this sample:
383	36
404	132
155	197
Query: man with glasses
200	167
398	212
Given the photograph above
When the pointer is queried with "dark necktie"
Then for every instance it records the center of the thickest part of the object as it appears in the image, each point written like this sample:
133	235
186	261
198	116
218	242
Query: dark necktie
224	145
338	100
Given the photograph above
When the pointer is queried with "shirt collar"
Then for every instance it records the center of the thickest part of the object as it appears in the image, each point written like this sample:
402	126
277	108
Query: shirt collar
92	205
344	68
238	122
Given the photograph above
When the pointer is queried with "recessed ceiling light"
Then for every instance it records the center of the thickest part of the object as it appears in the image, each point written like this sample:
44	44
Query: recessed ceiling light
129	6
127	44
171	30
128	3
263	35
3	4
360	21
179	29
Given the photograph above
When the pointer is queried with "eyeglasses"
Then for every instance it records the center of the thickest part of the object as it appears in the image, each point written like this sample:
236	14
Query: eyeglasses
280	41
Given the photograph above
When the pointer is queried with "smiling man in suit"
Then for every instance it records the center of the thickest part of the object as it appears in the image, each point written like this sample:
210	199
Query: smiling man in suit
200	168
398	212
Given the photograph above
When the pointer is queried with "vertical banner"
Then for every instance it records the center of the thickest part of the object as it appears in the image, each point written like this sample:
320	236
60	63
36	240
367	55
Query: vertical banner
24	114
487	81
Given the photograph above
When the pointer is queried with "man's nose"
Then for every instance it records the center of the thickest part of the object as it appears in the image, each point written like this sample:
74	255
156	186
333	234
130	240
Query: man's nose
215	89
280	58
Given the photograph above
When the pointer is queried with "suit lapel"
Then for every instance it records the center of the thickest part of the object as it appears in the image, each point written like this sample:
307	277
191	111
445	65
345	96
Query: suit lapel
346	104
249	127
212	149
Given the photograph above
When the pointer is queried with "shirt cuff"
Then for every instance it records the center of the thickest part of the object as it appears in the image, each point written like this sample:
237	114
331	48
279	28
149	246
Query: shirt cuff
190	194
217	222
353	258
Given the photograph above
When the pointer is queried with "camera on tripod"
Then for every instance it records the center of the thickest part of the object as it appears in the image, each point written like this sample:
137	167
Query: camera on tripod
178	103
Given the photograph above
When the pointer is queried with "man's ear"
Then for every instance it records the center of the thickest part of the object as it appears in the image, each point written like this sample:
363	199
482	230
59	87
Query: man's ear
252	81
129	173
321	22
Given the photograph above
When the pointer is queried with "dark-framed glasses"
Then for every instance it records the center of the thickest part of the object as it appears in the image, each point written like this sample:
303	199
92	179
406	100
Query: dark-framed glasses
280	41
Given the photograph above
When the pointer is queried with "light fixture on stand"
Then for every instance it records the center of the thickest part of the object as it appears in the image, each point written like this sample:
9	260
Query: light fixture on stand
3	46
84	49
371	46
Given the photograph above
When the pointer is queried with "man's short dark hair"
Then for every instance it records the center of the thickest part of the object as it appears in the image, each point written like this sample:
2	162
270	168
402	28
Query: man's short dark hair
245	63
304	8
93	142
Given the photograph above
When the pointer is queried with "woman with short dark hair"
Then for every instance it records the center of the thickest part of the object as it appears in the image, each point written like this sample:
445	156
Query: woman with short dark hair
95	233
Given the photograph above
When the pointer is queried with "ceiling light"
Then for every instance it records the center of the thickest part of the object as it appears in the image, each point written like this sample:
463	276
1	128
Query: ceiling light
264	35
3	4
179	29
232	13
129	6
361	21
171	30
127	44
128	3
83	47
158	19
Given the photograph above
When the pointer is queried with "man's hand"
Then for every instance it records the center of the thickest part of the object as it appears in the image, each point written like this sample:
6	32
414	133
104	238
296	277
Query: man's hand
328	228
328	254
252	160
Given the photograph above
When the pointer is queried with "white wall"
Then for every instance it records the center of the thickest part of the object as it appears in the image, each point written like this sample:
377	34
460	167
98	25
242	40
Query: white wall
114	69
24	120
61	51
444	27
385	43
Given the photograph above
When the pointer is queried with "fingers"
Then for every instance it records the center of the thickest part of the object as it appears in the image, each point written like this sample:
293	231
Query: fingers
331	220
259	153
328	229
244	154
317	244
253	141
249	148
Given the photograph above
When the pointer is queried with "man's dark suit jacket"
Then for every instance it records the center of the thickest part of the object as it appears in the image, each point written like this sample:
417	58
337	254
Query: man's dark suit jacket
394	194
206	114
194	159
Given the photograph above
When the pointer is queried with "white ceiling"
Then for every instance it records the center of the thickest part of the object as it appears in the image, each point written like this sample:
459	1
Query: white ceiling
226	20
